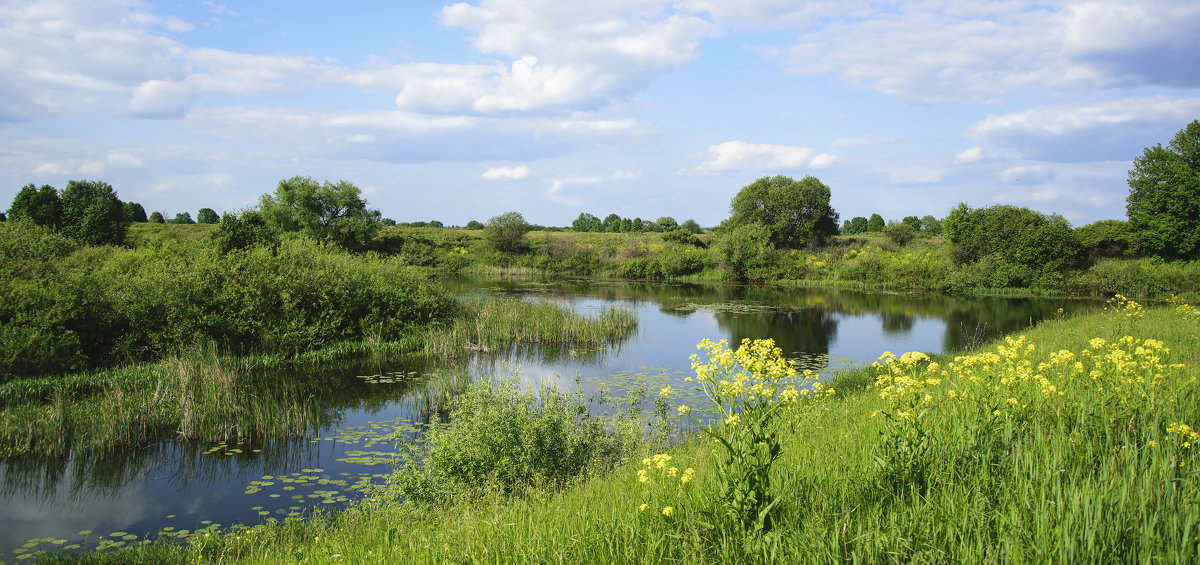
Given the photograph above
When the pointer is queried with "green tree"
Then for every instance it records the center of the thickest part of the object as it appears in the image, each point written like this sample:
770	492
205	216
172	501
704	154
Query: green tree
92	214
330	212
691	226
474	225
207	216
745	251
858	224
666	223
612	223
41	206
585	222
182	218
156	218
901	233
134	212
931	225
1035	242
795	213
3	217
436	224
875	224
913	222
506	232
1163	205
638	225
1106	238
242	231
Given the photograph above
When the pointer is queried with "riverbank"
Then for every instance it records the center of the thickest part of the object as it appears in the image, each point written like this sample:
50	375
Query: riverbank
1018	455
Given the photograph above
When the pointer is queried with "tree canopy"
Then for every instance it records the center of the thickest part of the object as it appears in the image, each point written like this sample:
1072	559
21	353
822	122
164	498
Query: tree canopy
326	211
506	232
42	206
795	213
1164	196
92	214
207	216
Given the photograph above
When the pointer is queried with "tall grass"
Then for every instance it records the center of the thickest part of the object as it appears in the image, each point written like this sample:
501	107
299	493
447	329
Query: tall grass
1098	473
491	323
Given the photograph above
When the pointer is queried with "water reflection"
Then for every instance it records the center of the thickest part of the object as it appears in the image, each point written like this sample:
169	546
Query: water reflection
828	329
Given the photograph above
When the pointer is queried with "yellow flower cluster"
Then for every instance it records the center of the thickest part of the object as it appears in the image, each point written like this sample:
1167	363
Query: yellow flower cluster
1185	432
664	482
1128	306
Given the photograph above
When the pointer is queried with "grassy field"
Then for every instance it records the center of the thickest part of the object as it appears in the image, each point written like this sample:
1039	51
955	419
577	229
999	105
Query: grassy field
1070	442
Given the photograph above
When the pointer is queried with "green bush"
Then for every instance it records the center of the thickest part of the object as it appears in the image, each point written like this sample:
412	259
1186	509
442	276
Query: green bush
1022	243
92	214
500	438
1106	238
745	252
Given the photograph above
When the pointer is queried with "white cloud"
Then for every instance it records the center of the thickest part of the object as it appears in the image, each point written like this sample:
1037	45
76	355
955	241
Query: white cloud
1044	195
1116	129
915	175
970	155
506	173
558	184
627	174
739	155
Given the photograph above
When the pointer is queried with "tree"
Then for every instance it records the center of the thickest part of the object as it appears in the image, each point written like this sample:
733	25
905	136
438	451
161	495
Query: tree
330	212
474	225
638	225
858	224
207	216
40	206
242	231
931	225
1163	205
156	218
134	212
436	224
1038	243
691	226
666	223
92	214
900	232
795	213
1106	238
182	218
913	222
3	217
875	224
585	222
506	232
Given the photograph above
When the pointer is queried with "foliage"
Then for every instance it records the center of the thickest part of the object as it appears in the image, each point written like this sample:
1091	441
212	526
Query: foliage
586	222
41	206
745	252
900	233
1041	245
134	212
243	231
1164	196
1106	238
913	222
682	237
474	225
795	213
207	216
755	395
690	226
665	223
156	218
506	232
327	212
931	225
875	224
855	225
92	213
500	439
182	218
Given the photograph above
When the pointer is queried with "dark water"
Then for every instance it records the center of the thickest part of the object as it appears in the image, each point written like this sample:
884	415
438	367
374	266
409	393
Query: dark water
186	486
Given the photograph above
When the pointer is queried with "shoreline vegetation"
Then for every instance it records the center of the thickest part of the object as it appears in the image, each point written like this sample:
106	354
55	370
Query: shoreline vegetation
1071	441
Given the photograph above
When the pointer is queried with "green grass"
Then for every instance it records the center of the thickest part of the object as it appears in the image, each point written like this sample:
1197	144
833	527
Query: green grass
1085	477
202	394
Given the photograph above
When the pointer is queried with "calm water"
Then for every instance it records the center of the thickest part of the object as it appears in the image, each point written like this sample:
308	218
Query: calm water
177	486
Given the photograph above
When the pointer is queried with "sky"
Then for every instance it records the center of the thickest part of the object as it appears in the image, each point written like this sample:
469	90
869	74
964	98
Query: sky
644	108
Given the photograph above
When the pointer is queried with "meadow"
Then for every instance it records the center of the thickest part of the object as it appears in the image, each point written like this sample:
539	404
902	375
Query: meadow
1070	442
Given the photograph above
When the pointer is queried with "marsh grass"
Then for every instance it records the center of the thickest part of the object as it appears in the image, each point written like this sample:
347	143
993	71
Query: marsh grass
1097	474
493	323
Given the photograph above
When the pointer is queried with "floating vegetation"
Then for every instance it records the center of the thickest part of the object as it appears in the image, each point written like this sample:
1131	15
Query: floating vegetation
730	307
390	377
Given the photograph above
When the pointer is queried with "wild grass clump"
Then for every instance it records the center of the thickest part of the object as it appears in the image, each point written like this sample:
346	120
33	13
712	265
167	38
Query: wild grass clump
494	323
503	439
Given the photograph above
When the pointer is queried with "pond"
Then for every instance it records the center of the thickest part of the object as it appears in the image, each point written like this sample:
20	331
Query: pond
176	487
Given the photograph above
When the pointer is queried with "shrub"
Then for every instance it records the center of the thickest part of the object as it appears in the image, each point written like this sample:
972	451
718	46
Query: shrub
900	233
506	232
499	437
745	252
92	214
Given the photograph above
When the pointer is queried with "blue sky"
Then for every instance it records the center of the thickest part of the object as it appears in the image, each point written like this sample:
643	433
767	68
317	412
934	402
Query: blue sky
645	108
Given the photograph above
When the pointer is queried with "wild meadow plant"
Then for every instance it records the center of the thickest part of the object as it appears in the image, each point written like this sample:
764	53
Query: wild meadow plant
754	397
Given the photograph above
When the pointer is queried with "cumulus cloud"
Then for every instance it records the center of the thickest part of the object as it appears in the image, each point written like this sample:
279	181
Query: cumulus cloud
1117	129
948	52
558	184
506	173
563	55
970	155
739	155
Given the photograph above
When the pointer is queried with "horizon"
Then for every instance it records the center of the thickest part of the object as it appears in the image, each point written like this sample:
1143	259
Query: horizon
644	108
